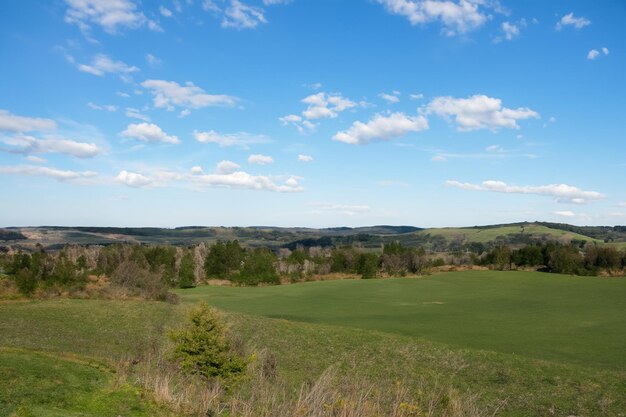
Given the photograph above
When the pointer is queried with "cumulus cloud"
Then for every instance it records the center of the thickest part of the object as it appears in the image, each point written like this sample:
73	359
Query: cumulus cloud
479	112
102	64
416	96
319	106
148	132
170	94
570	20
241	140
107	107
260	159
565	213
510	30
133	179
562	192
594	53
323	105
305	158
197	170
297	121
239	15
381	127
57	174
226	167
390	98
12	123
456	17
227	175
165	11
111	15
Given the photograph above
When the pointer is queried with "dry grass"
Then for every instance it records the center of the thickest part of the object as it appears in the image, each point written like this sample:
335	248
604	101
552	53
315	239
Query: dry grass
263	394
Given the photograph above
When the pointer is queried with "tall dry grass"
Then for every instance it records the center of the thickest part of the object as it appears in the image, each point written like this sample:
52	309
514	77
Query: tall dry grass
264	394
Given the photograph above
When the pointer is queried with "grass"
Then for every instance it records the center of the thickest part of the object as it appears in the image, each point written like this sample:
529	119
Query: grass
577	320
484	235
36	384
540	344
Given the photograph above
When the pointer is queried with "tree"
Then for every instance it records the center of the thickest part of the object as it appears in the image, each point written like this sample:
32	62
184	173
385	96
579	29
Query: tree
258	267
186	276
223	259
203	347
367	265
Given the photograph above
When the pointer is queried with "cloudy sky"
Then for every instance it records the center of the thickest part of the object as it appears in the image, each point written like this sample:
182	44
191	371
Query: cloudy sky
312	112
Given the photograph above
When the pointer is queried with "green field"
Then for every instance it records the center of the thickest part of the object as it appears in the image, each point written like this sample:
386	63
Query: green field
544	316
489	234
543	344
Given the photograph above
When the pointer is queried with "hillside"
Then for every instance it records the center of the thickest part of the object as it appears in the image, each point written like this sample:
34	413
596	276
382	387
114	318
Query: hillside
475	238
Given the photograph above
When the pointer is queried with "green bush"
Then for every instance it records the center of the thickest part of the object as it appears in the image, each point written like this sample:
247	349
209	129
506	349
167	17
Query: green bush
258	267
202	347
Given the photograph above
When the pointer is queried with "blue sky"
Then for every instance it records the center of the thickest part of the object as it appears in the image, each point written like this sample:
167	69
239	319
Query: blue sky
312	112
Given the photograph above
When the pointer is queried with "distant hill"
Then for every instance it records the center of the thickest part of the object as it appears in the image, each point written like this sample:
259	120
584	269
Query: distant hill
474	239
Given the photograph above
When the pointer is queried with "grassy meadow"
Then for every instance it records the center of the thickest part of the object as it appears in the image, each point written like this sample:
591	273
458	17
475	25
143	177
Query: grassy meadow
528	344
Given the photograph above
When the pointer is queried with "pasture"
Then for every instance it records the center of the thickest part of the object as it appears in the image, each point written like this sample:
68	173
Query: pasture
534	344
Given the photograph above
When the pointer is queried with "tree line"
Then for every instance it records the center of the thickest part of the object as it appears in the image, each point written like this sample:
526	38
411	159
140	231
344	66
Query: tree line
145	271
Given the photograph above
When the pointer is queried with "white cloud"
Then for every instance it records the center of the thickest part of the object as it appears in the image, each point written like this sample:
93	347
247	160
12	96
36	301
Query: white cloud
510	30
305	158
565	213
227	176
456	17
168	94
133	179
349	210
479	112
570	20
197	170
260	159
107	107
102	64
122	94
29	144
11	123
184	113
226	167
622	204
390	98
35	159
165	11
135	114
242	16
241	139
57	174
148	132
594	53
274	2
416	96
381	127
109	14
322	105
562	192
297	121
152	60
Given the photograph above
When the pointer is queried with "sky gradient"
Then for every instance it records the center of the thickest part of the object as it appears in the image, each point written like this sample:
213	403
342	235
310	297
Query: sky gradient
313	113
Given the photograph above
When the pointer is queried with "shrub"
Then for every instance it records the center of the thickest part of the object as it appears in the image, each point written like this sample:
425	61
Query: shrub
186	276
202	347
